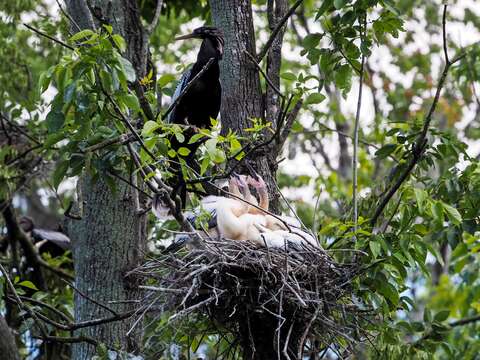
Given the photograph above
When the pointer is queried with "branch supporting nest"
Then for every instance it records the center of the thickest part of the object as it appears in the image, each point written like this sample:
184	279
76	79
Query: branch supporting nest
260	296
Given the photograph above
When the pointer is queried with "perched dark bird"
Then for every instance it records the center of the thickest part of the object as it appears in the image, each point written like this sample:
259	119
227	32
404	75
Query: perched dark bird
200	103
53	242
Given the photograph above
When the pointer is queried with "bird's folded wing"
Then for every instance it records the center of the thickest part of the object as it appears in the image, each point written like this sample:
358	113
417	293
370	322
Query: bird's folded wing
55	237
178	90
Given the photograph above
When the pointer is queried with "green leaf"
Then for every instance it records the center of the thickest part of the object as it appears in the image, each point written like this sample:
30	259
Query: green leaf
195	138
59	172
120	42
288	76
131	101
375	248
312	40
339	4
128	69
452	214
149	127
183	151
106	80
421	197
427	315
55	120
315	98
44	82
109	28
52	139
389	292
343	78
165	79
82	34
28	284
442	315
386	150
437	211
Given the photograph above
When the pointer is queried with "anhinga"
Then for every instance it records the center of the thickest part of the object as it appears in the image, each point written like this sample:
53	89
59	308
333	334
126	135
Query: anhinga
53	242
202	100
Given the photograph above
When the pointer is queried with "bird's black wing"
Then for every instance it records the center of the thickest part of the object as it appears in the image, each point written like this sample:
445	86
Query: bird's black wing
57	238
178	90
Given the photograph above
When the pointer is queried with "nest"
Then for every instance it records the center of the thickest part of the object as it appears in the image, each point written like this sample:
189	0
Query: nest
274	303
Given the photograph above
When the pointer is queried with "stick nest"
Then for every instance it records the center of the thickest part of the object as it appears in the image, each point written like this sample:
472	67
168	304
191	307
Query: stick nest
295	299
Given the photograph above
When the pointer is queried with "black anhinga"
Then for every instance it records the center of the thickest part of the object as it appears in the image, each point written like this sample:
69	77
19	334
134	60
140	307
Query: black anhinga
201	101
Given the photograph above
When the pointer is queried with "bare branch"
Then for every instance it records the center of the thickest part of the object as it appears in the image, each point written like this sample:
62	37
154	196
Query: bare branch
49	37
355	134
421	142
158	9
275	32
267	79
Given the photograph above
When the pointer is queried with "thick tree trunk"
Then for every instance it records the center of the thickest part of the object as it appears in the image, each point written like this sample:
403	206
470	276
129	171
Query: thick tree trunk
109	240
242	97
8	347
107	243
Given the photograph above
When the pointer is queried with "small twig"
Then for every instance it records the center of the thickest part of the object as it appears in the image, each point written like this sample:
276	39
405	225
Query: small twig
267	79
464	321
277	29
19	129
47	306
67	15
444	32
119	140
125	120
355	137
128	182
49	37
59	272
187	87
91	299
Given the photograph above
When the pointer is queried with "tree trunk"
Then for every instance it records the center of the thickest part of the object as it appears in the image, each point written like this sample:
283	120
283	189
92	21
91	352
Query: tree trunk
8	347
242	97
109	240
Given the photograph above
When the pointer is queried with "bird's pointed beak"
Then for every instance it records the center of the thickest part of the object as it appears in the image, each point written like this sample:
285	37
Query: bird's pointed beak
188	36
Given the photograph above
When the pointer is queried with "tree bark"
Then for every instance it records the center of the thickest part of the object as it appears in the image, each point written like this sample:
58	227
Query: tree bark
242	97
110	239
107	243
8	347
241	92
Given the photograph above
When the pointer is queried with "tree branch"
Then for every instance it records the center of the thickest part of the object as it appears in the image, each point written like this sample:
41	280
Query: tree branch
275	32
267	79
421	142
355	134
49	37
158	9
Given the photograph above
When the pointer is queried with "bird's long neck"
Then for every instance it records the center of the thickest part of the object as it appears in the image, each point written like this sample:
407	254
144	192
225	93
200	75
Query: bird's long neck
228	222
264	201
210	48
